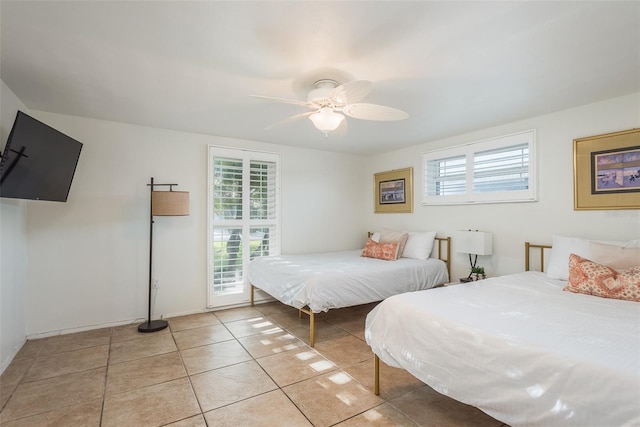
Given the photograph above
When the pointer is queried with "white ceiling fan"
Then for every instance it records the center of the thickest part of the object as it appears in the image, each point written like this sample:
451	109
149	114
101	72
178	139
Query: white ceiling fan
330	102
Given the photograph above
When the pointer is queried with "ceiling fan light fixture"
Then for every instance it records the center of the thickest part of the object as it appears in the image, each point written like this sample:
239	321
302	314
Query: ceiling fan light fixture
326	120
329	104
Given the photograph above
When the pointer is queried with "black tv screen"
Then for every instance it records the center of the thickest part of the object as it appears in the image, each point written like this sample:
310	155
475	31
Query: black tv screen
38	162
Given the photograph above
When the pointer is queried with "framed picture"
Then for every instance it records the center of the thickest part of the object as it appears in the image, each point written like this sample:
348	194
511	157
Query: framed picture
606	171
393	191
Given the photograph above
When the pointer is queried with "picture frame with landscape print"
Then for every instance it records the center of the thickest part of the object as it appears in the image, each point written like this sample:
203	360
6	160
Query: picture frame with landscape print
393	191
607	171
615	170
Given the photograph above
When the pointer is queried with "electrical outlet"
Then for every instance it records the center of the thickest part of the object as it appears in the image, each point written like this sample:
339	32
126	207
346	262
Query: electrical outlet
156	283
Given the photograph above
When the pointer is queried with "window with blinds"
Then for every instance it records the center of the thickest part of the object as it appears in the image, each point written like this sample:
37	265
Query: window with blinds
446	176
227	188
263	190
501	169
243	220
489	171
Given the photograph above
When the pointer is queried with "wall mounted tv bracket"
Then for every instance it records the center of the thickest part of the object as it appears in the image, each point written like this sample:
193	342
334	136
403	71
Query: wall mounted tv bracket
14	162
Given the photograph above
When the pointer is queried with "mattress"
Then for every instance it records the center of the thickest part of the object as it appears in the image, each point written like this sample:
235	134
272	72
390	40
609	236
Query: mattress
519	348
323	281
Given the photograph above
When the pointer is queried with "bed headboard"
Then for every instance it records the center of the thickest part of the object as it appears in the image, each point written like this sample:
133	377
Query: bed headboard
528	248
447	254
443	254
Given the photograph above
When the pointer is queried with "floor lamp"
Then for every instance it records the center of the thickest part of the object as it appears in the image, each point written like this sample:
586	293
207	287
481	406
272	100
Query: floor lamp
163	203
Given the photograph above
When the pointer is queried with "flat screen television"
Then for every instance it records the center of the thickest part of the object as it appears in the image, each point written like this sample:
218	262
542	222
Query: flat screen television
38	162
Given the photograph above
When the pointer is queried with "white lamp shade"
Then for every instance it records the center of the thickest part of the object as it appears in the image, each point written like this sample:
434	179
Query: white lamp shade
474	242
170	203
326	119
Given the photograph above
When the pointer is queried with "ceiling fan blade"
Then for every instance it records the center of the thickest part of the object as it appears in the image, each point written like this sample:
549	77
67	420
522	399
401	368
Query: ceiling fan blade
284	100
351	92
289	120
365	111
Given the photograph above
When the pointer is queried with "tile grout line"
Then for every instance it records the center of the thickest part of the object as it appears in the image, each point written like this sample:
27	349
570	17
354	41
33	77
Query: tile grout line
337	368
106	375
193	391
270	377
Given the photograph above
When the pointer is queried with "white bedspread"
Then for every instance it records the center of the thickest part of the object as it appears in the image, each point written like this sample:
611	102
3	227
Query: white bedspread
341	279
519	348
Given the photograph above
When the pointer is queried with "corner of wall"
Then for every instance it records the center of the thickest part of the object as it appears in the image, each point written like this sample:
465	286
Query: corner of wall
13	251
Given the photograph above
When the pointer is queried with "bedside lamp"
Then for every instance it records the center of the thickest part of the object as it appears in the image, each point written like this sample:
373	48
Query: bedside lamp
474	243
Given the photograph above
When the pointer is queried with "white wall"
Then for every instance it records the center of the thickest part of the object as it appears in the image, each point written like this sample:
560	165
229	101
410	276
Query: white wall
88	258
13	249
514	223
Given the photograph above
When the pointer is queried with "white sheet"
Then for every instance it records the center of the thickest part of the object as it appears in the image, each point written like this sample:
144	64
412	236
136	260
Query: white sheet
341	279
519	348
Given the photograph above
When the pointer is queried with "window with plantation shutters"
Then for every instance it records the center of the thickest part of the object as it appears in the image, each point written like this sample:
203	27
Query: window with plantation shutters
227	188
501	169
490	171
244	219
447	176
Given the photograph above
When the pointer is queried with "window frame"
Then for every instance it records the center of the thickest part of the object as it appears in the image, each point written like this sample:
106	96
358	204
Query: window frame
468	150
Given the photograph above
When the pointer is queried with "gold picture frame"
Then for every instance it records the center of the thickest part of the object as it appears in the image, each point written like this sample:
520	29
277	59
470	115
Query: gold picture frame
606	171
393	191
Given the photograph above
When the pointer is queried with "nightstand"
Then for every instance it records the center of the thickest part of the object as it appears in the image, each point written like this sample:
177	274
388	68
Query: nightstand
453	283
460	282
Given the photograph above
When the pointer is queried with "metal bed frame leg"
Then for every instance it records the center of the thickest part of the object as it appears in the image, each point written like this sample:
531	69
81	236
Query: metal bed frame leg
312	329
312	318
312	324
376	381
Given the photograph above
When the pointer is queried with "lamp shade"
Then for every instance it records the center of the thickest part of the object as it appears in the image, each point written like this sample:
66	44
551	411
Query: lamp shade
474	242
326	119
169	203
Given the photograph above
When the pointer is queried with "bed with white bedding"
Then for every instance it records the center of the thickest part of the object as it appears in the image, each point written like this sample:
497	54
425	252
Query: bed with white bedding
324	281
519	348
319	282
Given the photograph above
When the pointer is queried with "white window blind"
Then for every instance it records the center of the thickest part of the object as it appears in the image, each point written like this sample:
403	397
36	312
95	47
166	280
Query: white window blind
263	190
447	176
501	169
244	218
227	188
489	171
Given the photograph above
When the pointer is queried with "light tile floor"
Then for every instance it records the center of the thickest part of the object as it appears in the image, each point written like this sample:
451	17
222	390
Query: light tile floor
237	367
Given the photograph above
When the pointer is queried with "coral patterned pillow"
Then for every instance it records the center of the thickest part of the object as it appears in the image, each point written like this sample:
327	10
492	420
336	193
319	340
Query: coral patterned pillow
588	277
386	251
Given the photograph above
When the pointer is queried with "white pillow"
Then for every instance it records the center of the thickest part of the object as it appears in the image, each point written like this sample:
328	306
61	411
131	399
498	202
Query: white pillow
558	267
617	257
419	244
375	236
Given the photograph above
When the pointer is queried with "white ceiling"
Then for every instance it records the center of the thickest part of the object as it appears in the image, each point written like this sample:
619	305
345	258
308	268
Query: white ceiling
191	66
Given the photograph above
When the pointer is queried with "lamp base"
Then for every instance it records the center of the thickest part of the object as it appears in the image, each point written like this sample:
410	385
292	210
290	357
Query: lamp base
152	326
